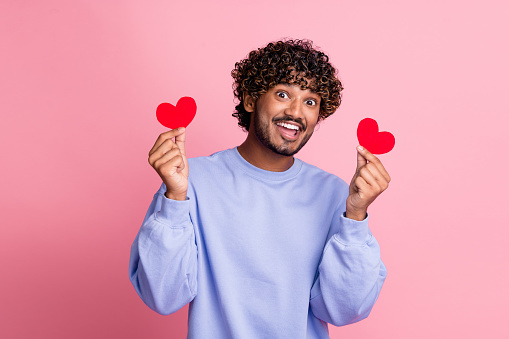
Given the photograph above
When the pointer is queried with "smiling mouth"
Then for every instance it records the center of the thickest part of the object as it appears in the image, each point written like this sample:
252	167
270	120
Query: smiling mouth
288	130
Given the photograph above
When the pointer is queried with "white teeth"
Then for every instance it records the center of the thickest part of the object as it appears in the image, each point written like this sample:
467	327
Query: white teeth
289	126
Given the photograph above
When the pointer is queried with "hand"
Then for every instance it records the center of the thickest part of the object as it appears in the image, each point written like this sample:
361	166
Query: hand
168	158
369	181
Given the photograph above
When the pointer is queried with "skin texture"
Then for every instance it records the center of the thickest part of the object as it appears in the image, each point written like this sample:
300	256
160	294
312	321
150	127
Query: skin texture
267	148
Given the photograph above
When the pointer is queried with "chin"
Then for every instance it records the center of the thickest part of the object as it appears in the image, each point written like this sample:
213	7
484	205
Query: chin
284	151
287	148
274	140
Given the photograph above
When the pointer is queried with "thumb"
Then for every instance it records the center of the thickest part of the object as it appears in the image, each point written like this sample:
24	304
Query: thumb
180	140
361	160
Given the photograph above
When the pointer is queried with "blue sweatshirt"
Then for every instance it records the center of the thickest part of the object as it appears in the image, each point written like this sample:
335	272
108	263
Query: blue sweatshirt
257	254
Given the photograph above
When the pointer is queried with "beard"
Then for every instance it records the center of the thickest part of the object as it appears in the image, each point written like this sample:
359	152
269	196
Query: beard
286	148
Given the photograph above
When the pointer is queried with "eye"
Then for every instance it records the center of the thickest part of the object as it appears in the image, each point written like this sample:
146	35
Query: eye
311	102
282	95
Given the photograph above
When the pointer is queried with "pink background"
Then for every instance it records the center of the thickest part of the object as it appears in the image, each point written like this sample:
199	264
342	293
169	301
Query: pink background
80	81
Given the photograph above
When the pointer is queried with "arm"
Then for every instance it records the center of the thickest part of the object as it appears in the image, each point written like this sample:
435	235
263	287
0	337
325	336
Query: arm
163	263
351	273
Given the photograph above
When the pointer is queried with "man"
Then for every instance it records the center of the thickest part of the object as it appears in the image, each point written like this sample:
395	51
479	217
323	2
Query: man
261	244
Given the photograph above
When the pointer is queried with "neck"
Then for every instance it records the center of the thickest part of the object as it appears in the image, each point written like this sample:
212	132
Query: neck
254	152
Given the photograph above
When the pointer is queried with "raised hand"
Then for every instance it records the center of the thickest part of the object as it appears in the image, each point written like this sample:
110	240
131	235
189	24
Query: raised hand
168	157
369	181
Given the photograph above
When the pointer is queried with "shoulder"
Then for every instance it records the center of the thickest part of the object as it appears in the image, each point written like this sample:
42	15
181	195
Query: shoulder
219	157
212	165
318	175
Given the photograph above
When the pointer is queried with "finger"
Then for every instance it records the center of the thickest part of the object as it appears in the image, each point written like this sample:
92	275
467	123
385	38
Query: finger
361	160
163	137
373	159
180	140
163	148
361	185
379	177
175	152
370	179
172	166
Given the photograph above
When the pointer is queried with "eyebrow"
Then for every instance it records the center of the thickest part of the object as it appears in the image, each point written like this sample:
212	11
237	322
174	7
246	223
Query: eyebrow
297	86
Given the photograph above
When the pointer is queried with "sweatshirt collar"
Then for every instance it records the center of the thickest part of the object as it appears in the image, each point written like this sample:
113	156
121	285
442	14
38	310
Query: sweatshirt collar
241	163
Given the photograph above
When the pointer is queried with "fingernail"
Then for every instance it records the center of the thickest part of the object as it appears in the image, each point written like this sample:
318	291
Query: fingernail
360	148
180	129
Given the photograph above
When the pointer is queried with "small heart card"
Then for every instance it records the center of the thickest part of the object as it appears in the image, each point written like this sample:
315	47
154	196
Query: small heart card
176	116
374	141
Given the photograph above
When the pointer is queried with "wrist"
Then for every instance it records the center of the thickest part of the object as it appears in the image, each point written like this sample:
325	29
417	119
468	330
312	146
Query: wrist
174	196
358	215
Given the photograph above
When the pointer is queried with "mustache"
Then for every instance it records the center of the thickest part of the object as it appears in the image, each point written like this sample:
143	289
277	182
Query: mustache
298	121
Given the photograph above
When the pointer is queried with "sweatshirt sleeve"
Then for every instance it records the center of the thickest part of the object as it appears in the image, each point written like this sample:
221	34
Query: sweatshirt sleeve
163	262
350	275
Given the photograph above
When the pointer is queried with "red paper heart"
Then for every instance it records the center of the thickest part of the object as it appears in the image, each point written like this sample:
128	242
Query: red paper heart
177	116
374	141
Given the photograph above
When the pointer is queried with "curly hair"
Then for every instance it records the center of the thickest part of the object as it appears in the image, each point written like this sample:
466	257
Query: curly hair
289	61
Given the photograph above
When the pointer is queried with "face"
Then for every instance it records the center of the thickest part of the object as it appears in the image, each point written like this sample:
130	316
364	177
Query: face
285	117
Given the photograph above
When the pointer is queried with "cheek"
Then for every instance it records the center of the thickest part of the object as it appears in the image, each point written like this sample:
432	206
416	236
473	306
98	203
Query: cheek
267	113
312	118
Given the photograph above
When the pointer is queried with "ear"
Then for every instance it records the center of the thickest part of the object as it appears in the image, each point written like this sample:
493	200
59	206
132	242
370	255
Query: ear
249	102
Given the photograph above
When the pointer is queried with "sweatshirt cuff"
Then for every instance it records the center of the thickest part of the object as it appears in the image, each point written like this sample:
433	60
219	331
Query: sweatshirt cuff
175	213
353	232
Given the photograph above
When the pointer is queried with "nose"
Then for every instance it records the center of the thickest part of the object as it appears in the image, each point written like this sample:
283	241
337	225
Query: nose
295	109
